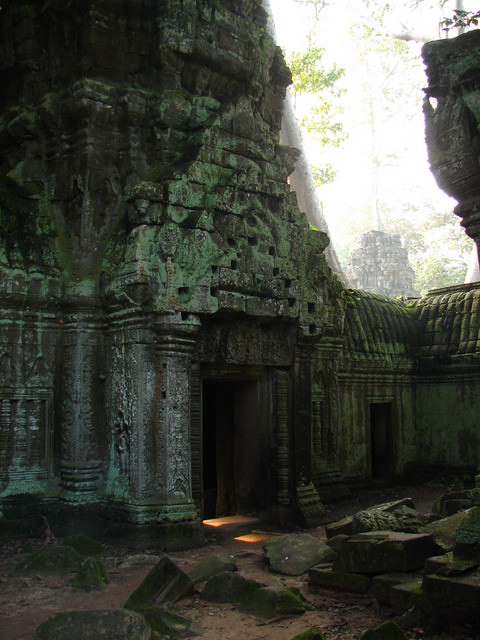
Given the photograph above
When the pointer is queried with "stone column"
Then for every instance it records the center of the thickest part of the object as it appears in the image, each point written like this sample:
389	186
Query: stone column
80	465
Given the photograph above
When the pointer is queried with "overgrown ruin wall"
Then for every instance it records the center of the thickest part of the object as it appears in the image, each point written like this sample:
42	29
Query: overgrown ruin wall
172	342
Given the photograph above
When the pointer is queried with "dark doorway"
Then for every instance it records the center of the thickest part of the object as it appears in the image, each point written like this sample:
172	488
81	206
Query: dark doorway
381	439
233	448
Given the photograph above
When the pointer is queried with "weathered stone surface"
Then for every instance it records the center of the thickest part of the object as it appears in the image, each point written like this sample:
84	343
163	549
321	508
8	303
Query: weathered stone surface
337	541
399	590
444	531
341	527
165	583
111	624
212	565
293	554
342	580
170	623
454	600
467	541
91	575
50	560
229	587
385	631
384	552
395	518
269	602
449	565
452	502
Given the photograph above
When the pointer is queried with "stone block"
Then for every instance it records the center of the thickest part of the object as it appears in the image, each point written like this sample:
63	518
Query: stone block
355	582
212	565
467	540
449	565
454	600
444	531
386	631
110	624
385	552
229	587
293	554
340	527
269	602
165	583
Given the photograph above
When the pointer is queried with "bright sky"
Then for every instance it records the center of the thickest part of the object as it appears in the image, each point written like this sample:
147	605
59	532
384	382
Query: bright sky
351	191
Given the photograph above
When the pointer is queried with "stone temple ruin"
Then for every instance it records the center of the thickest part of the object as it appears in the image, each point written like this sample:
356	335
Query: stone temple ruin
378	262
173	343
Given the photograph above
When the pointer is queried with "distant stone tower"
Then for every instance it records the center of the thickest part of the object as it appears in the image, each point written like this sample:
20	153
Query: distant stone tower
379	263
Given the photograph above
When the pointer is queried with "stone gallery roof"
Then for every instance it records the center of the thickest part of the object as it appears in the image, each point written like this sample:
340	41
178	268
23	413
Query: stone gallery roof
378	327
451	321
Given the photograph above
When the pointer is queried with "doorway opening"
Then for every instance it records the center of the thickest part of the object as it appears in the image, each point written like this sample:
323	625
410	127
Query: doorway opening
381	430
234	448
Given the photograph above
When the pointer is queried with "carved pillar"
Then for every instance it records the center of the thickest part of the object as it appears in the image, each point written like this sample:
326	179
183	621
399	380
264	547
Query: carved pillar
302	412
175	344
80	466
281	397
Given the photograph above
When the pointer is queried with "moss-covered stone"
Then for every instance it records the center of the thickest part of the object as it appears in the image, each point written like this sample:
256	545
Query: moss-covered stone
165	583
229	587
50	560
91	575
269	602
311	634
385	631
170	623
110	624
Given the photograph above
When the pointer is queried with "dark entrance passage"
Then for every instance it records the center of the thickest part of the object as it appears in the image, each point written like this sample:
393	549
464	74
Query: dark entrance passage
234	448
381	439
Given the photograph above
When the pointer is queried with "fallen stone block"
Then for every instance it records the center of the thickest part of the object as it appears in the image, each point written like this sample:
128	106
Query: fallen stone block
452	502
91	575
346	525
111	624
229	587
336	542
170	623
467	540
270	602
444	531
50	560
385	631
398	590
385	552
293	554
165	583
211	566
354	582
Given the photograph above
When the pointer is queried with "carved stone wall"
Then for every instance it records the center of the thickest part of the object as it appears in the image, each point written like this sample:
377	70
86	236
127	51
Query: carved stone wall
148	232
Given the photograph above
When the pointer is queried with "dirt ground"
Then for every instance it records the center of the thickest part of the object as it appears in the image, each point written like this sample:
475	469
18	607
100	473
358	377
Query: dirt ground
26	602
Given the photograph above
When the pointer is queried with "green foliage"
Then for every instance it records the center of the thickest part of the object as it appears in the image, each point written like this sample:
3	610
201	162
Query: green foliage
461	19
317	88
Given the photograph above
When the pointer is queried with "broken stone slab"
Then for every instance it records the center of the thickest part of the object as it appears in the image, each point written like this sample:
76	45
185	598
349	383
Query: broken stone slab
385	552
211	566
386	631
354	582
50	560
293	554
449	565
109	624
454	600
91	575
229	587
165	583
336	542
444	531
467	540
270	602
399	518
169	622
